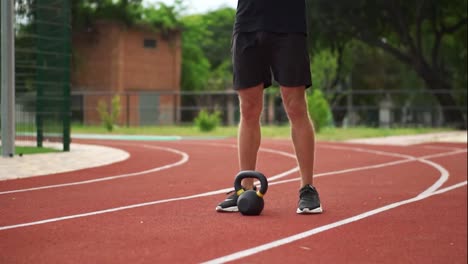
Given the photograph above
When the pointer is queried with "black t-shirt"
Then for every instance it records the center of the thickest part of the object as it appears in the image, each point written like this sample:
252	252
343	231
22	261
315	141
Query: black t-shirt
281	16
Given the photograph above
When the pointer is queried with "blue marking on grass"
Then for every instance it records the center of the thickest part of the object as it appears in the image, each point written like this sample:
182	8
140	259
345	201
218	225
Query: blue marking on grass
143	137
127	137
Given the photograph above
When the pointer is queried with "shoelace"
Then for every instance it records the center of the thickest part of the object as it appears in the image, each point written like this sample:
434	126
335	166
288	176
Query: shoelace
306	192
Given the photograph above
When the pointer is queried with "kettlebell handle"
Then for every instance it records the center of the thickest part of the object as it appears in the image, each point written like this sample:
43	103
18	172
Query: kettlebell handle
251	174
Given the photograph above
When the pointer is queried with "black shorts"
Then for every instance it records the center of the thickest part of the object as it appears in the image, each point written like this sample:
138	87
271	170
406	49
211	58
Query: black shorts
256	56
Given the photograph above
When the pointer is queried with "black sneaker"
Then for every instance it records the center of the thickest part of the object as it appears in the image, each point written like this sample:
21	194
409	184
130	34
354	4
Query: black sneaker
230	203
309	201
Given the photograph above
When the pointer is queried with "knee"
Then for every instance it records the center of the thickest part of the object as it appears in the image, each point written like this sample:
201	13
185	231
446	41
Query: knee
295	104
250	111
296	111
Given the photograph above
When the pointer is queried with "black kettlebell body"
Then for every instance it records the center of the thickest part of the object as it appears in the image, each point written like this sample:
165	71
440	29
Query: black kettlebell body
250	202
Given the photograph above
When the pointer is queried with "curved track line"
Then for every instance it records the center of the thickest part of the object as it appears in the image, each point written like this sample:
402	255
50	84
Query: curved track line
147	204
438	183
295	169
444	175
272	178
311	232
441	147
274	151
184	159
377	152
407	158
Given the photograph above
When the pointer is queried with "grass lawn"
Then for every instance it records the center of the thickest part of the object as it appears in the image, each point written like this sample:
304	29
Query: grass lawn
327	134
32	150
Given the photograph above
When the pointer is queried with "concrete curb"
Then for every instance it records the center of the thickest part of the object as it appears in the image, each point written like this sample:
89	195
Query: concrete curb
80	156
84	156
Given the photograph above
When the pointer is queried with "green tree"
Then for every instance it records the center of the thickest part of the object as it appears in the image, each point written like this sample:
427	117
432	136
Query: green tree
206	121
161	17
109	117
206	50
319	110
217	43
85	12
324	68
195	65
217	46
418	33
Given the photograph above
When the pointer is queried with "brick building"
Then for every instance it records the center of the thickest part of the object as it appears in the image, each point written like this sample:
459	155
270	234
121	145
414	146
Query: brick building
140	65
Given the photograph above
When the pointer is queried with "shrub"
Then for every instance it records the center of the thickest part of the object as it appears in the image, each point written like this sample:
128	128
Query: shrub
319	110
109	118
207	122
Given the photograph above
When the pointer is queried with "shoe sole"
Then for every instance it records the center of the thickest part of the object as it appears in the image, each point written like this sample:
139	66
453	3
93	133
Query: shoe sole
227	209
317	210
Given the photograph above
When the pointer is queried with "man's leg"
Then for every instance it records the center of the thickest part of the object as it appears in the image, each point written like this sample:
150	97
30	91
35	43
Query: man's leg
251	73
302	131
303	136
249	136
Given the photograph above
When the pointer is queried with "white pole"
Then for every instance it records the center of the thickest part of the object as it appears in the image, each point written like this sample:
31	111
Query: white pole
8	78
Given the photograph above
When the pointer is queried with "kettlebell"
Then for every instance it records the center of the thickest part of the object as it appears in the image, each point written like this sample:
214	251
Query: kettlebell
250	202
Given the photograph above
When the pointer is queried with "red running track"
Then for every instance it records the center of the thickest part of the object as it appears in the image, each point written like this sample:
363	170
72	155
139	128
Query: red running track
383	204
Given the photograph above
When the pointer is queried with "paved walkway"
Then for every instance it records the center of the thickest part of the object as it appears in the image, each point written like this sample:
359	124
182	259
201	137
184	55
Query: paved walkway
79	157
86	156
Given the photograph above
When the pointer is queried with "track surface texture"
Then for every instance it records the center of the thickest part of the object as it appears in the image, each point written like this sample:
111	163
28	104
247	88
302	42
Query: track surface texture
382	204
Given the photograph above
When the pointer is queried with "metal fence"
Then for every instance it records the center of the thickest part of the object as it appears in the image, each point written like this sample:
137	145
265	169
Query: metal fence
42	59
376	108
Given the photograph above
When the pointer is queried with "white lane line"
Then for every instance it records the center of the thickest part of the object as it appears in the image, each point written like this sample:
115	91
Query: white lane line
271	179
314	231
165	201
116	209
443	154
283	153
377	152
444	175
263	149
422	159
407	158
441	147
184	159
